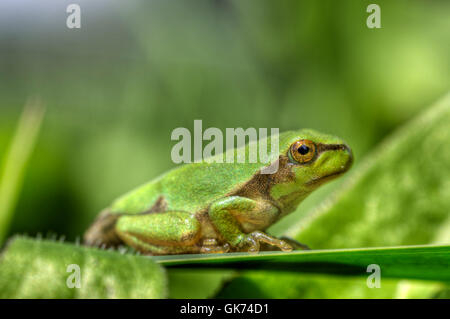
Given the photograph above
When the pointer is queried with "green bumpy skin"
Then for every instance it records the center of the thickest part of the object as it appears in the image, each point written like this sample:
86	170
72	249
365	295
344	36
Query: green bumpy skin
211	207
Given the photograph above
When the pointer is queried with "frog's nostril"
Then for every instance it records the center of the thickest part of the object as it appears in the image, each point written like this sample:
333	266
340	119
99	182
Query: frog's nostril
346	148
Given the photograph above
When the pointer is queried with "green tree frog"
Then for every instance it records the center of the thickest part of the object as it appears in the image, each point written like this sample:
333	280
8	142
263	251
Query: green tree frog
211	207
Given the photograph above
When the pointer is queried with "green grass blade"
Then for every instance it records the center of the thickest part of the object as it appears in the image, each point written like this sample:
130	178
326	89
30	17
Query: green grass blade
16	160
427	262
39	269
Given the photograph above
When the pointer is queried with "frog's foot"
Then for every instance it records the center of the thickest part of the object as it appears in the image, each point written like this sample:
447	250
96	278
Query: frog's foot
210	246
252	241
295	244
292	242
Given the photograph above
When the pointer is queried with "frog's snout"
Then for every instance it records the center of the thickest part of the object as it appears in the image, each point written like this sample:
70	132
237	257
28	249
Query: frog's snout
349	152
336	159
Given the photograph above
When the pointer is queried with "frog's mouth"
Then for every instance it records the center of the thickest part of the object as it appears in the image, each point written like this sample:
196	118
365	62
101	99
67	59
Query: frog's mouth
326	178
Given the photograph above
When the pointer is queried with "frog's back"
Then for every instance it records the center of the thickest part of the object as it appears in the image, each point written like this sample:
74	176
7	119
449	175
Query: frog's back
190	187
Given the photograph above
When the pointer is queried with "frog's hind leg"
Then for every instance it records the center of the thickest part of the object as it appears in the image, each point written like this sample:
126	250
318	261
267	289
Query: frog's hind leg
173	232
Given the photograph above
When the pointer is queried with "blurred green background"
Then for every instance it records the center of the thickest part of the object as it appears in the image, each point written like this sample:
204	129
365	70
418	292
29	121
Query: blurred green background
116	88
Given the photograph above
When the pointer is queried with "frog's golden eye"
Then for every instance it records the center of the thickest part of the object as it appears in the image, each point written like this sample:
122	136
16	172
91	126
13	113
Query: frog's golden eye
303	151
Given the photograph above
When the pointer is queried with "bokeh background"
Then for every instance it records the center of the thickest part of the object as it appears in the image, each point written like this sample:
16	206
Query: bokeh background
116	88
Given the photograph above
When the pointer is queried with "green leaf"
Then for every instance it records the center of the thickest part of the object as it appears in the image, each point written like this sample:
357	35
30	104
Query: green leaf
40	269
258	284
202	282
412	262
16	160
399	195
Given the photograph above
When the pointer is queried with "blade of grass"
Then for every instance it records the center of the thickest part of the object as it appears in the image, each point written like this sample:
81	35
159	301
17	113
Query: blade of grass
16	160
426	262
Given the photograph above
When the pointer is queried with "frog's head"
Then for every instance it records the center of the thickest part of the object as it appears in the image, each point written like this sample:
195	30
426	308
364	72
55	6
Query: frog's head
307	160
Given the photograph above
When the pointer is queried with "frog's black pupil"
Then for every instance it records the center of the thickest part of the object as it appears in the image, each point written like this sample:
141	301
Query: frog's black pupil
303	149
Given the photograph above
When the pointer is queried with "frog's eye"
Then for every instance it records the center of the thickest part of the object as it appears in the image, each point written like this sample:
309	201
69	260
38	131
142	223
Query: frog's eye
303	151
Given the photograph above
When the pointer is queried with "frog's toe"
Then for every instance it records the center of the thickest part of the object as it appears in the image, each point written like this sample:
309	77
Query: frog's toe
209	249
284	246
253	249
296	245
249	244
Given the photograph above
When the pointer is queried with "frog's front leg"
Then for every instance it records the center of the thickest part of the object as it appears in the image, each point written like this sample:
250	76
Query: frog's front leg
239	220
